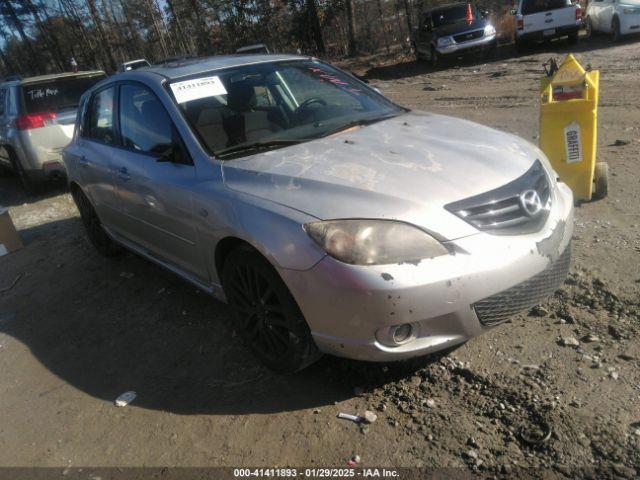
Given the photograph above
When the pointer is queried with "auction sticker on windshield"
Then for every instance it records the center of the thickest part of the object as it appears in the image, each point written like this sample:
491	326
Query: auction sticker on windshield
197	88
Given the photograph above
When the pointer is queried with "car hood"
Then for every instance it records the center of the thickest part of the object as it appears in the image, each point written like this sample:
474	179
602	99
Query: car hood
405	168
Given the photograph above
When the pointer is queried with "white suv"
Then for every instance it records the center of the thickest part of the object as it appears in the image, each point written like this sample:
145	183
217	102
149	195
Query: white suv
616	17
538	20
37	117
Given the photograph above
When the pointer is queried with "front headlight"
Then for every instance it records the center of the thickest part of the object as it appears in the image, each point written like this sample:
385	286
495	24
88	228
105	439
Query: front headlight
445	41
374	242
489	30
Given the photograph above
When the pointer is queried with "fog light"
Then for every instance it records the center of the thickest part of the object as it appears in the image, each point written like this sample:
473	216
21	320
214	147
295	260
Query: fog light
397	335
402	333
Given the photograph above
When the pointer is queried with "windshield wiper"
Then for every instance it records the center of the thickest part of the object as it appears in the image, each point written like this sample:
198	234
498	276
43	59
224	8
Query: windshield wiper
262	145
357	123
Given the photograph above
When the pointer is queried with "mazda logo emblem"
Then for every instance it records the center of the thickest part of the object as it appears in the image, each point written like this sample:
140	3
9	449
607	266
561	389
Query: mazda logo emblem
531	202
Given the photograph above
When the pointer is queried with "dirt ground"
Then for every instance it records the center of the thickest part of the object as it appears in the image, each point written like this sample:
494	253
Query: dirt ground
77	330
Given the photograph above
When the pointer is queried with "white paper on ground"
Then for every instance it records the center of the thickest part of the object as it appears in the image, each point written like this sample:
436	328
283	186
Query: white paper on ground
197	88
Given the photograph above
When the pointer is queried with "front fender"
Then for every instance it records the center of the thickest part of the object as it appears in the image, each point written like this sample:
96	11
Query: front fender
272	229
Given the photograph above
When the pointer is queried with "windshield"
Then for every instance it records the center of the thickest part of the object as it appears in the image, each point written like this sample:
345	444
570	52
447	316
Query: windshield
275	104
58	94
452	15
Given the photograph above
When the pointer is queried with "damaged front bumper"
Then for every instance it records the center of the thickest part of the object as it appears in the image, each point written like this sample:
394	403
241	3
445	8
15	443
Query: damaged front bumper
352	310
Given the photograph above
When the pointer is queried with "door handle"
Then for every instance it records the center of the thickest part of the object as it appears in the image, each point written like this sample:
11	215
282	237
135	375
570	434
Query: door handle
549	21
123	174
83	162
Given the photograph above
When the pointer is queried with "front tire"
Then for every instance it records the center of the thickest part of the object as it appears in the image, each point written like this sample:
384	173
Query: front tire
269	319
98	237
490	52
615	30
434	58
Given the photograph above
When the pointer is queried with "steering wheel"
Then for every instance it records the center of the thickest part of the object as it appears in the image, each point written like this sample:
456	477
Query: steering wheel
307	102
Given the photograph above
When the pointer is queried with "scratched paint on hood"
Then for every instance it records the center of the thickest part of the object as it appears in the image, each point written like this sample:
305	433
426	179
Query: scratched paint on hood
407	166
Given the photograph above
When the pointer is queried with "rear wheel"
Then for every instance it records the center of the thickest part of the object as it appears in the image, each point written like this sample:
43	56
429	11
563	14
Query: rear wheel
27	185
600	181
5	171
269	320
615	30
98	237
521	45
588	28
414	50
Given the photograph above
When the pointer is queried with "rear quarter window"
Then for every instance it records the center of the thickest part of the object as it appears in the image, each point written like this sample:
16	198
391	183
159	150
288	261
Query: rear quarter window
56	95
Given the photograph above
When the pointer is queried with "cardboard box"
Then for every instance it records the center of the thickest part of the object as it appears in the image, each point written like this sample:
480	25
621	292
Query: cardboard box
9	239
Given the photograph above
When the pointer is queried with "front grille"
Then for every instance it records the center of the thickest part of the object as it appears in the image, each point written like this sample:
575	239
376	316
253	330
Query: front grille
465	37
499	307
508	210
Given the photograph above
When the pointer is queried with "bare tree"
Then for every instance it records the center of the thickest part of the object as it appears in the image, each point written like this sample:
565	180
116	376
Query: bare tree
42	35
351	36
104	44
314	22
9	11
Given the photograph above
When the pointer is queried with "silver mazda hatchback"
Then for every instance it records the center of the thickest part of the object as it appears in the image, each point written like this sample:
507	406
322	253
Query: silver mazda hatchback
329	218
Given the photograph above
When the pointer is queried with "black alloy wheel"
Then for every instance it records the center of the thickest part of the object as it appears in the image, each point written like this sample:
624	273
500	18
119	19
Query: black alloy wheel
268	318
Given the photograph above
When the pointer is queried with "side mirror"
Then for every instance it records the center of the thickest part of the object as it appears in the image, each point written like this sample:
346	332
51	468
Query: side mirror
169	153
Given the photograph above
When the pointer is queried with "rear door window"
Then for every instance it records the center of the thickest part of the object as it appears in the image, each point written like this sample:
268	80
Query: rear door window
56	95
100	121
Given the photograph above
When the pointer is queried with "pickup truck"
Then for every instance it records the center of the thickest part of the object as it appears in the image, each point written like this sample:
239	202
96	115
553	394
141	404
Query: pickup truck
451	30
539	20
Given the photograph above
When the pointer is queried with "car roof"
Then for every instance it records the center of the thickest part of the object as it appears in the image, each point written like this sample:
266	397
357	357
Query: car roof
191	66
52	76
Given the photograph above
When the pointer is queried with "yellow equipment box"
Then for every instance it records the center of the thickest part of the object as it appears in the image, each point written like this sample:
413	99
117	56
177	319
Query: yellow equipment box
568	128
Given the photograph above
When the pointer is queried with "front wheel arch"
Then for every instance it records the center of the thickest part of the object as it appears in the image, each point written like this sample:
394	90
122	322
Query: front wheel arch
223	249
